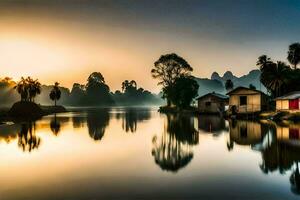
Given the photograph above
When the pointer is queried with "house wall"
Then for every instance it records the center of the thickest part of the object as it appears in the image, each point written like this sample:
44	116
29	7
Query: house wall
282	104
216	106
253	101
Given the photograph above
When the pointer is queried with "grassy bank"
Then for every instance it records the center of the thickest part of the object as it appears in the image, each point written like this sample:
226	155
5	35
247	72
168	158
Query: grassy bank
28	111
173	109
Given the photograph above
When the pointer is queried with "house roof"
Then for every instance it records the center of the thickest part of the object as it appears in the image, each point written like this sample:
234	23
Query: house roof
240	87
218	95
291	95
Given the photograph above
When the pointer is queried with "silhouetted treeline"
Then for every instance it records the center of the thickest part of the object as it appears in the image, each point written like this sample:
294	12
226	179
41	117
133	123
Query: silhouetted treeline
95	92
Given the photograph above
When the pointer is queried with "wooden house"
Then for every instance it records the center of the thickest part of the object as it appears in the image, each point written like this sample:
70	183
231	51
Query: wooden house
212	103
288	102
245	100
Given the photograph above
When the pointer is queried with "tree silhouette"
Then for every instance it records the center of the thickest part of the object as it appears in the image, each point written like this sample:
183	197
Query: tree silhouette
275	77
251	86
167	69
28	88
229	85
294	54
182	92
55	93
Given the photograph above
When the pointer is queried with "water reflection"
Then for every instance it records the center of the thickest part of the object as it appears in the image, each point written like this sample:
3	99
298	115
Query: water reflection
212	124
273	149
97	122
27	139
55	125
173	150
243	132
131	117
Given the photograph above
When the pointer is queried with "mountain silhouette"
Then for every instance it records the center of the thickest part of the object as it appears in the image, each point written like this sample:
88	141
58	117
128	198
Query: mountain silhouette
217	83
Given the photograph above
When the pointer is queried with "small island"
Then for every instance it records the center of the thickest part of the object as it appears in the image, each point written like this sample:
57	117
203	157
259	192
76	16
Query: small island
26	108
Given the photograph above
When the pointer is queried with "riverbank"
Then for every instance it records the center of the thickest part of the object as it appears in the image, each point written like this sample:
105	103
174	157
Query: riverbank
293	116
28	111
175	110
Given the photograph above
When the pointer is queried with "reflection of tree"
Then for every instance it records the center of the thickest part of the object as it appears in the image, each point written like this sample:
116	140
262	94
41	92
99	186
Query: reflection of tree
55	125
97	122
131	117
174	150
9	133
27	140
78	121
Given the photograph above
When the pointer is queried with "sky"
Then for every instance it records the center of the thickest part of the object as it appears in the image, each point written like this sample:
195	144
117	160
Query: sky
66	40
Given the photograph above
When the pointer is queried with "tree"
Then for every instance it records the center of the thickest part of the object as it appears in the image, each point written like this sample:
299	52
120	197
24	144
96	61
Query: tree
28	88
55	93
97	92
275	77
263	62
294	54
183	91
251	86
21	88
167	69
229	85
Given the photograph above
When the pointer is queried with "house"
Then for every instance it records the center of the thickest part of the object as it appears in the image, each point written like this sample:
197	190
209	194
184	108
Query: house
212	103
288	102
244	100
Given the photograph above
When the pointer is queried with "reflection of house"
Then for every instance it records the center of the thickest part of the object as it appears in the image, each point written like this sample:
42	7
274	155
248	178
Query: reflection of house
212	103
289	101
246	132
211	123
289	134
246	100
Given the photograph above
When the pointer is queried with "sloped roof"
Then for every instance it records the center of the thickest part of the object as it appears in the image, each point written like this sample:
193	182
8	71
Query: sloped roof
218	95
241	87
291	95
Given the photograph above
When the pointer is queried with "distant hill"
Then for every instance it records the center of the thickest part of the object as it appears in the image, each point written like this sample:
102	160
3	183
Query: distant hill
217	83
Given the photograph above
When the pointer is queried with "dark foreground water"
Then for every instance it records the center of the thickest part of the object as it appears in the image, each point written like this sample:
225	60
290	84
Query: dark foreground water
138	153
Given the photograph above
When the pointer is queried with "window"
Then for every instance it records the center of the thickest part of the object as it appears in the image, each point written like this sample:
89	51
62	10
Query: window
207	104
243	100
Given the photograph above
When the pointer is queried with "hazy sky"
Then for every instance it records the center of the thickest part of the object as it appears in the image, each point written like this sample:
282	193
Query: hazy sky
60	40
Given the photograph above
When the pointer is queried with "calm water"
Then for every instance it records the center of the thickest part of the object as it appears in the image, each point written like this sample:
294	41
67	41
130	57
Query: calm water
139	153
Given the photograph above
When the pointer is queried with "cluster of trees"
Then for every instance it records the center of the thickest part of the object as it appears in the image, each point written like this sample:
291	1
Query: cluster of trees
28	88
97	92
174	75
278	77
131	94
94	92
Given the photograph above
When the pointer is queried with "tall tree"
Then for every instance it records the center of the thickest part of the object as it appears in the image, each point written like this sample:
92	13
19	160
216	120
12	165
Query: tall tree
184	90
55	93
275	77
167	69
229	85
294	54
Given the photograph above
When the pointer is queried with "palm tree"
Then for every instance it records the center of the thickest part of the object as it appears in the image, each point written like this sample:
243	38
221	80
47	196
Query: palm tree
275	77
21	88
294	54
228	85
55	93
125	85
263	62
34	88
